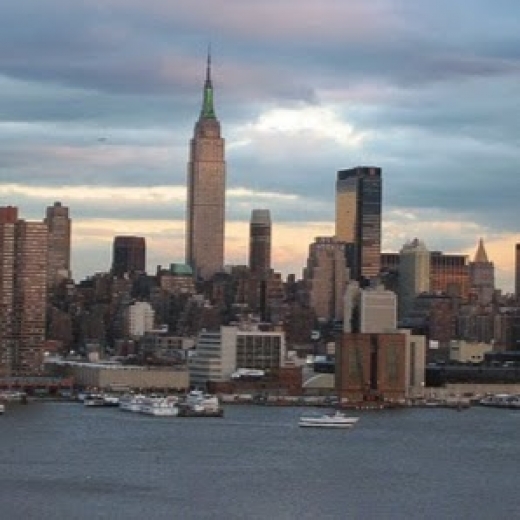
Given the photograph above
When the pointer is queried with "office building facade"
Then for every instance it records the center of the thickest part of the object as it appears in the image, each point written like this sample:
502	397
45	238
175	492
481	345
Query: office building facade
205	218
221	352
358	219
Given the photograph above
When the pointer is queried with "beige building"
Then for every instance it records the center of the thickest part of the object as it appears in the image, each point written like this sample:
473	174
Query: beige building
468	352
114	376
377	310
370	310
206	191
326	277
140	318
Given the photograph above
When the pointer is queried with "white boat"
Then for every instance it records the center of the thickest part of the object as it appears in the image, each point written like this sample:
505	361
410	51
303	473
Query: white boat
337	420
501	401
2	408
94	400
160	406
202	402
110	400
131	403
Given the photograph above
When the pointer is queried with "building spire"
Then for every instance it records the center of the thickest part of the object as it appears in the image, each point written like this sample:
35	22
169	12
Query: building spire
481	255
208	111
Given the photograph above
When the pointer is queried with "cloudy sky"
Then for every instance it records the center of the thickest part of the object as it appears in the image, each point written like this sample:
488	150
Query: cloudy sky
98	99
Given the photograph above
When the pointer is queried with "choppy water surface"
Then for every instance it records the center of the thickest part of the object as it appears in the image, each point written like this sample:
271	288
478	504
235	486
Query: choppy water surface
60	460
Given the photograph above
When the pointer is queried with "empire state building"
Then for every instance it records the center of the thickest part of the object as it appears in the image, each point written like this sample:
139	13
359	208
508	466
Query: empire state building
206	191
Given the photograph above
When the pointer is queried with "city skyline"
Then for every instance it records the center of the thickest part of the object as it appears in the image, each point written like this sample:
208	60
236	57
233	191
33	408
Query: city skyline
105	99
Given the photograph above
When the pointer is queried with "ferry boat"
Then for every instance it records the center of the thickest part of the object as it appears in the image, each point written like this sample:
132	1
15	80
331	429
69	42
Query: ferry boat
337	420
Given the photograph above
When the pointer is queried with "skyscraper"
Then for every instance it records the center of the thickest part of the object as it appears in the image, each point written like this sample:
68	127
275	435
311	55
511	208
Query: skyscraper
129	255
58	224
326	277
414	275
260	242
358	219
206	190
23	292
517	271
482	275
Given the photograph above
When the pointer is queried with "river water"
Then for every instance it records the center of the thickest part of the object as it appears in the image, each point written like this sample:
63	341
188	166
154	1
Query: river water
62	461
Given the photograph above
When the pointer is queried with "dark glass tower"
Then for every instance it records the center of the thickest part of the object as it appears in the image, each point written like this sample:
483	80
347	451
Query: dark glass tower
358	219
129	255
260	242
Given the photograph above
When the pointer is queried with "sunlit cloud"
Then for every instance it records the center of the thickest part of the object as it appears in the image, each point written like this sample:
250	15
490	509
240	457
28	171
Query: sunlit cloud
306	122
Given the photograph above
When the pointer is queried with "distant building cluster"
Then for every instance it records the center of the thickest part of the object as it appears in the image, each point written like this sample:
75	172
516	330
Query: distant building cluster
383	317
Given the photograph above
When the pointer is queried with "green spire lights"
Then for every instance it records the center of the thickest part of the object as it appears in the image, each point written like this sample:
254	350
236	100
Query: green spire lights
208	111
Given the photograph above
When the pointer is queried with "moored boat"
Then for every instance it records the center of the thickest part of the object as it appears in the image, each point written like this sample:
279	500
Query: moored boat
2	408
200	401
131	403
94	400
501	401
337	420
160	406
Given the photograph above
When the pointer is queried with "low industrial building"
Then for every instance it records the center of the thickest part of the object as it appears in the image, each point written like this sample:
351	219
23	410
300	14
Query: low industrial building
117	376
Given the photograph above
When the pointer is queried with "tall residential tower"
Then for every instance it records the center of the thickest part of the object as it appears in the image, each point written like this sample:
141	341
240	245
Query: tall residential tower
206	191
23	293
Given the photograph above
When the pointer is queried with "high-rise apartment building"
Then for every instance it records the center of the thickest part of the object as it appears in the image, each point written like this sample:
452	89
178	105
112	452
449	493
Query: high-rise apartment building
58	224
23	293
414	275
8	218
358	219
260	242
206	191
129	255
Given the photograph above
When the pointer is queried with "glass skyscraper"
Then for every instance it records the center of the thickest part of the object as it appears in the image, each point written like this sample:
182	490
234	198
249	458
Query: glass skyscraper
358	219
